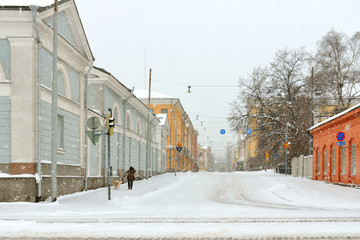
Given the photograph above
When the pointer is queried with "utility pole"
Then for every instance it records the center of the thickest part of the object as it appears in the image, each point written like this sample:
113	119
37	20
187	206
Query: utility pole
148	130
54	122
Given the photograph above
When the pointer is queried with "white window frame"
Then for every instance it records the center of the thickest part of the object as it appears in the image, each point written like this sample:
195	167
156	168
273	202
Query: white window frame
353	159
318	161
342	161
325	162
60	132
333	160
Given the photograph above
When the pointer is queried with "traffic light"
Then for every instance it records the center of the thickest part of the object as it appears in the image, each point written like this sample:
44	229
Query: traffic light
179	146
110	124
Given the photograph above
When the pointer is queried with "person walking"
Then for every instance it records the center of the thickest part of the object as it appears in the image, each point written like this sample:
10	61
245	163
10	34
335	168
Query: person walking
130	176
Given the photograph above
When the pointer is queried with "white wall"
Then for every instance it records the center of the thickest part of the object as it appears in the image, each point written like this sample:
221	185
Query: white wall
302	166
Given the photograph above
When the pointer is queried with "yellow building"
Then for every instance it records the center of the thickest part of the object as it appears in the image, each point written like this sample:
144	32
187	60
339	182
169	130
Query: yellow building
182	131
248	139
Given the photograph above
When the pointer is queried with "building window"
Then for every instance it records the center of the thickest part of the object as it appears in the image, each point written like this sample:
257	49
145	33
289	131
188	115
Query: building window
318	161
353	159
60	132
128	121
342	164
325	162
138	127
165	111
333	160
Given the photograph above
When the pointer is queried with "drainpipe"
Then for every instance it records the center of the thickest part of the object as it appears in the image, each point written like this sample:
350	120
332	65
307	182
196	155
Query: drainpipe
124	136
38	178
85	125
149	160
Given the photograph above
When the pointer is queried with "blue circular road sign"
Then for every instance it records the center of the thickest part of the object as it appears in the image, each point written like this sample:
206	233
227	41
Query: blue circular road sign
248	131
340	136
222	131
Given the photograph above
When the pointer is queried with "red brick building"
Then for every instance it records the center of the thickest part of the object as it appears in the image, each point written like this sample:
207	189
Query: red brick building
336	148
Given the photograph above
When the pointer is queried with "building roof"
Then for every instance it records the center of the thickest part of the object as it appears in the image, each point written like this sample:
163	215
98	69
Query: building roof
40	3
335	116
144	94
44	5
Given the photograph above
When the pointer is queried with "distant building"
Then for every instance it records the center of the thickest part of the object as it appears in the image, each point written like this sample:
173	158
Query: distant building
180	127
205	159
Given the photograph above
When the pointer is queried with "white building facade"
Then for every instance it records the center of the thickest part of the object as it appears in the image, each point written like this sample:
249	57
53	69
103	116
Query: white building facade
26	60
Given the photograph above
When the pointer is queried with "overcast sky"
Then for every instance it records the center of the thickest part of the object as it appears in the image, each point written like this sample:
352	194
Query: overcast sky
204	43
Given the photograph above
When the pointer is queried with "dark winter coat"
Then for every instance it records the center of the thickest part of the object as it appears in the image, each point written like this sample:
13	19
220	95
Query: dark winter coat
130	173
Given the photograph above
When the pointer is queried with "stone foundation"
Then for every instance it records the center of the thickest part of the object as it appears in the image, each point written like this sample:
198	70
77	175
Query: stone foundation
22	186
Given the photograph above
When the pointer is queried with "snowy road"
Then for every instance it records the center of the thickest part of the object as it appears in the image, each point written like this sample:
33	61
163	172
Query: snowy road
194	205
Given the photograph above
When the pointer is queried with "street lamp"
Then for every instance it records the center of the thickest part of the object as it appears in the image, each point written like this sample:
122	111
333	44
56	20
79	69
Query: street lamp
189	89
317	92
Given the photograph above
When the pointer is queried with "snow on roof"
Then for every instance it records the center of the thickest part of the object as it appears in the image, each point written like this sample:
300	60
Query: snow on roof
144	94
41	3
162	117
335	116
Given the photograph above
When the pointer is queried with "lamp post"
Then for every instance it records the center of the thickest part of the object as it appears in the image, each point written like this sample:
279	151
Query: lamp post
311	108
317	93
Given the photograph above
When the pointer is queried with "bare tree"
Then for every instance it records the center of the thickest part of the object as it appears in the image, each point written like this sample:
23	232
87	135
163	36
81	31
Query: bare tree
337	60
275	97
270	98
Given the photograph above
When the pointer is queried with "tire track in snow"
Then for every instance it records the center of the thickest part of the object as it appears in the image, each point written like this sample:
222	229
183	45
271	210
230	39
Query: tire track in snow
238	196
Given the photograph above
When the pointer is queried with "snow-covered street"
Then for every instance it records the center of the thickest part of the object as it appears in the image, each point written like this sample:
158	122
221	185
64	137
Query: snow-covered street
238	204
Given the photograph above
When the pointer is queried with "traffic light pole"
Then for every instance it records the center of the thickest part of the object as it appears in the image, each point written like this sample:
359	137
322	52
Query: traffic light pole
109	170
110	127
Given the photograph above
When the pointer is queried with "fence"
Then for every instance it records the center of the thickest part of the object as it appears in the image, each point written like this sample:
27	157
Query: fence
302	166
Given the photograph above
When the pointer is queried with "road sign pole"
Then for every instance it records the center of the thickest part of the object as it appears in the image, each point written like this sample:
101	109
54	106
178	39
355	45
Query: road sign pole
286	152
175	159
